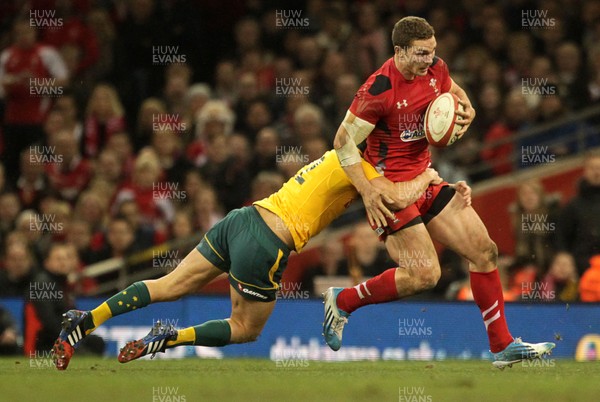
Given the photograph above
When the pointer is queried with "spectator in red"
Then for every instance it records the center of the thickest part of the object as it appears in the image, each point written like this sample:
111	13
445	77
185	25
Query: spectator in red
30	73
149	191
70	174
104	117
73	34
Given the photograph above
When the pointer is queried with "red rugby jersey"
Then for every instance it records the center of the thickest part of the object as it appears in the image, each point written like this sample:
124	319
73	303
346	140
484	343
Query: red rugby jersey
37	62
397	146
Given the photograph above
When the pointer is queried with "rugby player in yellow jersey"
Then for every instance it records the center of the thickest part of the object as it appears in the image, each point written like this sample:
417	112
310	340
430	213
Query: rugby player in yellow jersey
252	245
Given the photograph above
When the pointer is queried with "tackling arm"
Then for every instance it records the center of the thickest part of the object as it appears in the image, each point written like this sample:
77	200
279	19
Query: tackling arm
409	191
351	132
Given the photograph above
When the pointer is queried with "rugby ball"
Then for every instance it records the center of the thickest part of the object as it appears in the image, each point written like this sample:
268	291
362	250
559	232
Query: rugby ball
440	127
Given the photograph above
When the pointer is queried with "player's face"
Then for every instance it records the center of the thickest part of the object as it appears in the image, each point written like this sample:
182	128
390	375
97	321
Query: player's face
418	57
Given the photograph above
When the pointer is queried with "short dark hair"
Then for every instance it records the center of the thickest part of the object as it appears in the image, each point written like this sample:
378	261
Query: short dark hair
409	29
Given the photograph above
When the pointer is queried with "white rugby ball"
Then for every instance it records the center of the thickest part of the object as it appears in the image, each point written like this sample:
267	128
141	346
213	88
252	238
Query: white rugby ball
440	116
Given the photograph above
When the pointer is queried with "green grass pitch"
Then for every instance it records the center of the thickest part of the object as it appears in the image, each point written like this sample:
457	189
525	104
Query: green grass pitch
248	380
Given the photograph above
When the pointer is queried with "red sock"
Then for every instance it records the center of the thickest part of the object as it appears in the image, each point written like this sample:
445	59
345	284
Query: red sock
487	292
379	289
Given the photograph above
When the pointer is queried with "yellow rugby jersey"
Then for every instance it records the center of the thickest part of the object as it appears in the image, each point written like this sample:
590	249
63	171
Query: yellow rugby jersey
312	198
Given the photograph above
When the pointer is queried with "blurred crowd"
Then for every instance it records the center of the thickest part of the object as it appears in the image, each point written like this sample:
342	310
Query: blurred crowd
129	123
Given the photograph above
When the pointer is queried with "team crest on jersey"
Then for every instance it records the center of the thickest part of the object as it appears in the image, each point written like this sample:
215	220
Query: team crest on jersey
412	135
433	84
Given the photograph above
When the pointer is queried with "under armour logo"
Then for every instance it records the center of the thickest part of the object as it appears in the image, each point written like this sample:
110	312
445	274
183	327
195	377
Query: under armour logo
400	104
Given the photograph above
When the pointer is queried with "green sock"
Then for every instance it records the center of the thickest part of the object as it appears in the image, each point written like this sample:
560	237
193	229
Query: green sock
211	333
134	297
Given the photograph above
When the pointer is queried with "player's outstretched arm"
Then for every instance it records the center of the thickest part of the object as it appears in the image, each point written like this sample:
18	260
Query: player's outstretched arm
466	117
351	132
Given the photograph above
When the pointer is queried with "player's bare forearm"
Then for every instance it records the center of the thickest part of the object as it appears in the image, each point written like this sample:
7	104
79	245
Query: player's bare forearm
354	171
409	191
460	93
465	117
351	162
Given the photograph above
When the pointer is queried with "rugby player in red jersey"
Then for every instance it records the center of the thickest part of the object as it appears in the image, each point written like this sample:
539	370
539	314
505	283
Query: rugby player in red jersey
387	112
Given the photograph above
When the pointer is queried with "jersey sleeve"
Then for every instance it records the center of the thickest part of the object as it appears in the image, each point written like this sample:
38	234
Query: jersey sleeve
54	62
370	100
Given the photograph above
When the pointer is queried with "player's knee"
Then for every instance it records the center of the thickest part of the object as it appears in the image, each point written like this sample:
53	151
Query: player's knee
252	335
430	277
172	289
248	334
490	253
